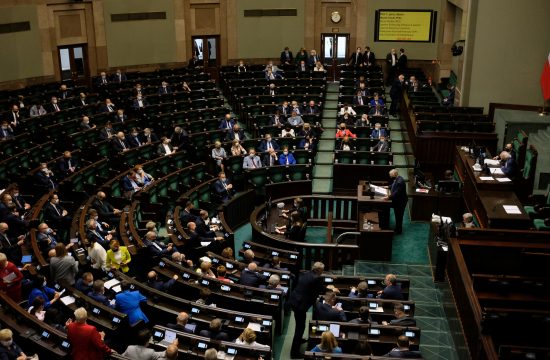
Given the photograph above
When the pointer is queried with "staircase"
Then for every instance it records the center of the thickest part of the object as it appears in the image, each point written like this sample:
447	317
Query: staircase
322	171
434	308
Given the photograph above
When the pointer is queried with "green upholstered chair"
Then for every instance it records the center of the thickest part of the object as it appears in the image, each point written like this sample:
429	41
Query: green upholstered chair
345	157
541	209
277	173
542	224
257	177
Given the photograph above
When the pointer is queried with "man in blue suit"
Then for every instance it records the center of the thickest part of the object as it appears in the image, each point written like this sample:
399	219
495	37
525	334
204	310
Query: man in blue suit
223	187
155	247
286	158
267	143
398	197
392	291
378	132
128	302
226	123
509	167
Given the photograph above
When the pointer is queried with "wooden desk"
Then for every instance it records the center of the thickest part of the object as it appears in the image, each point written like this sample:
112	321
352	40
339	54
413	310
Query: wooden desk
485	199
423	205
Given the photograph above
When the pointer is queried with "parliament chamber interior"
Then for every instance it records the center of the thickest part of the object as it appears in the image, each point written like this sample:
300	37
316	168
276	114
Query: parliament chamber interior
275	179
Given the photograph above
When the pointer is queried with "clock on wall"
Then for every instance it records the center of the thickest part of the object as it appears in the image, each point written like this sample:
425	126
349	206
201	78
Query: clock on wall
336	17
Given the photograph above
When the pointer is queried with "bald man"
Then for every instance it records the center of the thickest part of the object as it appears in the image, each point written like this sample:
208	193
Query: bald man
398	197
251	277
182	324
107	212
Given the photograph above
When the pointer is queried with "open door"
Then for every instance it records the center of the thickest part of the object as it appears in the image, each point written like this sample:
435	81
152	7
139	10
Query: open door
207	49
334	50
73	63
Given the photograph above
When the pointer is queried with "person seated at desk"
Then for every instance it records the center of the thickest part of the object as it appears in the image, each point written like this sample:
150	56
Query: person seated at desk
392	291
223	187
141	351
509	168
270	158
248	257
85	283
98	294
343	131
205	267
401	319
382	145
363	121
327	309
378	132
9	349
364	316
214	331
251	277
328	344
274	283
155	247
182	324
402	349
345	144
286	158
468	221
40	288
293	231
508	148
248	337
164	286
252	161
222	272
361	291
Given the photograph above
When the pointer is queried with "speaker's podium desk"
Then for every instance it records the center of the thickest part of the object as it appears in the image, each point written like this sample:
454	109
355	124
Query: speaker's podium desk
375	242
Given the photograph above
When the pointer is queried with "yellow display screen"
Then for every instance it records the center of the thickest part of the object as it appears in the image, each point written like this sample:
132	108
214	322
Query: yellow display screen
405	25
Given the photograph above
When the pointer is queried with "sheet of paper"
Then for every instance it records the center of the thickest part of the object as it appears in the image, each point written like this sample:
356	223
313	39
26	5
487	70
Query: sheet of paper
117	288
511	209
254	326
9	278
67	300
446	220
492	162
205	243
335	329
379	190
504	179
496	171
109	284
169	336
486	178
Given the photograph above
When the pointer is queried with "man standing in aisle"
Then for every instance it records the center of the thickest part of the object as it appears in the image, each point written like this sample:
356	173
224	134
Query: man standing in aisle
398	197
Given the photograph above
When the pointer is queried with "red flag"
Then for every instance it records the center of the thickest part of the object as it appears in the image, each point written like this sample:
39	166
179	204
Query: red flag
545	79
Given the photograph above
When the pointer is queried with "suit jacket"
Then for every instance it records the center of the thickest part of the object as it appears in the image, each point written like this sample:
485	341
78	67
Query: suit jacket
86	343
147	139
273	121
163	286
285	110
310	110
139	352
398	193
283	158
251	278
251	163
134	142
104	108
404	321
179	327
45	182
373	102
231	135
356	59
155	249
214	335
325	312
396	89
135	104
63	165
6	134
104	209
284	57
8	245
360	101
98	237
186	217
266	161
309	286
402	62
65	94
375	134
53	213
119	78
222	191
389	59
101	81
203	229
180	140
162	151
263	145
128	302
226	125
166	90
119	119
100	298
119	145
510	167
407	354
369	58
312	60
103	134
382	146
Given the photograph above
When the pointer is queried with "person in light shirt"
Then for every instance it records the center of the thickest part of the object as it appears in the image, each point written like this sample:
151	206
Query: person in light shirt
165	148
346	109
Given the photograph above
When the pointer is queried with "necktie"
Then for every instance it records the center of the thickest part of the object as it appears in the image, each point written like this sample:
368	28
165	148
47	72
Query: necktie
253	163
360	100
272	92
227	124
54	106
99	236
156	245
4	133
110	108
269	145
7	240
57	210
105	81
137	140
286	161
356	58
122	144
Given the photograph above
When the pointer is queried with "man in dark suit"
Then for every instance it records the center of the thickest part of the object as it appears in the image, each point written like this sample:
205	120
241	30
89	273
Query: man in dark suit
102	79
107	212
402	350
107	132
224	188
179	139
313	58
119	143
120	117
286	57
155	247
395	93
98	293
165	148
119	77
64	93
44	179
108	106
164	89
194	62
164	286
391	62
326	309
302	67
214	331
310	108
268	143
67	164
139	103
85	124
195	241
369	59
94	234
359	99
251	277
203	222
285	109
11	246
269	159
401	318
53	106
509	167
402	61
133	138
55	214
148	136
356	58
14	117
6	132
182	324
392	291
81	100
129	184
276	119
310	285
378	132
186	216
226	123
237	133
398	197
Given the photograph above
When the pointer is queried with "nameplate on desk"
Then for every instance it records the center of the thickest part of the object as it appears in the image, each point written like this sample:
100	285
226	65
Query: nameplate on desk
423	191
496	171
511	209
503	179
486	178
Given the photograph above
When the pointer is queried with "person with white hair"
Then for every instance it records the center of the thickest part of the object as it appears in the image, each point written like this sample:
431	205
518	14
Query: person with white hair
398	197
8	348
86	342
211	354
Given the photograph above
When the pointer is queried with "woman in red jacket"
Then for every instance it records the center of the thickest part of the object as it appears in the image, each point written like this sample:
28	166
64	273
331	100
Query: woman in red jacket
10	278
86	342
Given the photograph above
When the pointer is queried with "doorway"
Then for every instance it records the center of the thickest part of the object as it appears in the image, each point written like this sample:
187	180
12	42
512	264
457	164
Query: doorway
334	51
207	50
73	63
